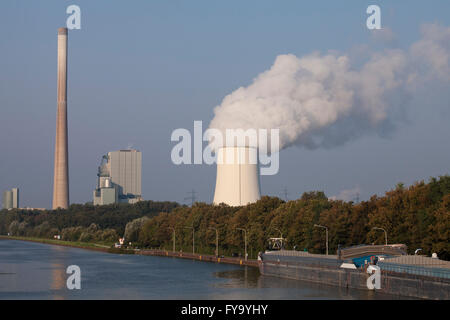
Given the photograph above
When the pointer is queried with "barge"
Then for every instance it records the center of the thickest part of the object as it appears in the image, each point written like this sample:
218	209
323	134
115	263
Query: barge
385	269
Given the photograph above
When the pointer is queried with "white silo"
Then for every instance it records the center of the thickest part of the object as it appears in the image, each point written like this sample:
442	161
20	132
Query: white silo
237	181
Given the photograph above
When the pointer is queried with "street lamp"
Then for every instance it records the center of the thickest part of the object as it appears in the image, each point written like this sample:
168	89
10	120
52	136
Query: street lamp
279	241
173	249
217	241
245	241
385	233
193	241
326	229
281	233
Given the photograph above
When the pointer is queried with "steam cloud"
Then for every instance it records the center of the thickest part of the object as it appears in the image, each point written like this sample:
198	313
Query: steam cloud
326	100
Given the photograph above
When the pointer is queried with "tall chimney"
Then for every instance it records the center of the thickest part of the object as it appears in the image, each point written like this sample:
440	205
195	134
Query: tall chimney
61	170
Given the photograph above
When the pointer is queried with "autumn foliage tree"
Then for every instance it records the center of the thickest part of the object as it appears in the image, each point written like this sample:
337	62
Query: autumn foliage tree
418	216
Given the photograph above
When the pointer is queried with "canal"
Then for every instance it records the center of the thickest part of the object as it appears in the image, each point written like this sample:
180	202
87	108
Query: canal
38	271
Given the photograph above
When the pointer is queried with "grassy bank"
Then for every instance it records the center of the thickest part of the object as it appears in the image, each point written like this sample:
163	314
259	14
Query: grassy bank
108	247
74	244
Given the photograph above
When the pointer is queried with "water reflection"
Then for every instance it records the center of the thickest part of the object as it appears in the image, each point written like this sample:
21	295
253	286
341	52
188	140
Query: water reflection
246	277
58	274
58	280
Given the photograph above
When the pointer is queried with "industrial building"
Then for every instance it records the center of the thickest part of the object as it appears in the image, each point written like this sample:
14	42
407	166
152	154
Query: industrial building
11	198
119	178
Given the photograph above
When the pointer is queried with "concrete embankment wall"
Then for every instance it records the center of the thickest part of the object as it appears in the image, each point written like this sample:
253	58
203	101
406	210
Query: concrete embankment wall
200	257
391	283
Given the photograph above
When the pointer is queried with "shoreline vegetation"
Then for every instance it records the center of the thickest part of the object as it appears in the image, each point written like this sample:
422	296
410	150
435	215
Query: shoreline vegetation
417	216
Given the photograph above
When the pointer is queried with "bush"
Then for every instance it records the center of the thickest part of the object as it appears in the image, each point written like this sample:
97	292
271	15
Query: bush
14	228
133	229
85	237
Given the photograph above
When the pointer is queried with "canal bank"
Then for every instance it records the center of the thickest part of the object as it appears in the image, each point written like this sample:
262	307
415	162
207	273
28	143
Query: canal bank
79	245
145	252
199	257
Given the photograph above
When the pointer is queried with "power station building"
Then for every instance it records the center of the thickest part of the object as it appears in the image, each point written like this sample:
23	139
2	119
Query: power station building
11	198
119	178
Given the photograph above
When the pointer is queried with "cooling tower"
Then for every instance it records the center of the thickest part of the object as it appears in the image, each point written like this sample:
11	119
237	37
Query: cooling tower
237	181
61	169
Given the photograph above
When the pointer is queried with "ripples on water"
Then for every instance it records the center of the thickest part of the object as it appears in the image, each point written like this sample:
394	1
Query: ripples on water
38	271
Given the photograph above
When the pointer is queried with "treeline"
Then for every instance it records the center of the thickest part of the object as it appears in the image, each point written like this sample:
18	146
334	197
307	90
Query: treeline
418	216
79	222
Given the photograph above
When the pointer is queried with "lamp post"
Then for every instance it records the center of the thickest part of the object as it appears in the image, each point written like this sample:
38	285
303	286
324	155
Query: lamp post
217	240
281	237
193	241
245	241
281	233
385	233
326	229
173	249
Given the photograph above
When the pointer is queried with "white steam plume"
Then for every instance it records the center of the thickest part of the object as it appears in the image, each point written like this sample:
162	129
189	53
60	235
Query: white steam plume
323	100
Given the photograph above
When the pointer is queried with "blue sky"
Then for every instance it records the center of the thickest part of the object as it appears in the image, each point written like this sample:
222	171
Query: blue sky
140	69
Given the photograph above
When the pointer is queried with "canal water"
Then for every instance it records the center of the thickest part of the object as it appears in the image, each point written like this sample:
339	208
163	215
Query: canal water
38	271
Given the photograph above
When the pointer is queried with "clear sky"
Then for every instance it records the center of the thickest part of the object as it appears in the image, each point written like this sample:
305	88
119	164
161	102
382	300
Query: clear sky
140	69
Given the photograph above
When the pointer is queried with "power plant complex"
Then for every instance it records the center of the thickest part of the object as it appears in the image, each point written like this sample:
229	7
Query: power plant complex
119	178
119	175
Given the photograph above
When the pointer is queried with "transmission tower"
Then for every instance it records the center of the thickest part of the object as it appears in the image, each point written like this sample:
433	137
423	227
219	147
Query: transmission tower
285	194
192	197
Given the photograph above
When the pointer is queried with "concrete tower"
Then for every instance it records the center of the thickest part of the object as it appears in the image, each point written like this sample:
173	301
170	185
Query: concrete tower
7	199
237	181
11	198
61	170
15	197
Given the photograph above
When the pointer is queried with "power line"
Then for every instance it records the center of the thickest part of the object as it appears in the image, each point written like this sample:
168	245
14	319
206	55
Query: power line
192	197
285	194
